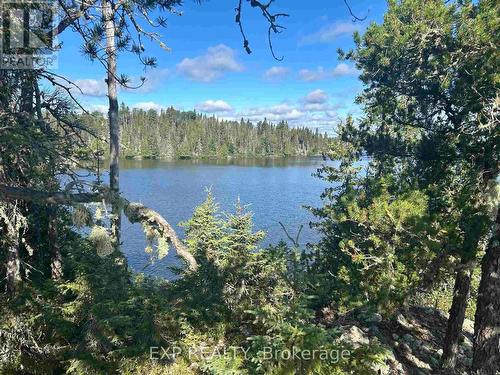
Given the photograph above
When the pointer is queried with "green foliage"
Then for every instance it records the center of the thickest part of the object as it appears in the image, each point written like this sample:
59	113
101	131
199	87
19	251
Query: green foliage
374	243
253	300
411	177
440	296
86	323
242	302
146	366
414	180
172	134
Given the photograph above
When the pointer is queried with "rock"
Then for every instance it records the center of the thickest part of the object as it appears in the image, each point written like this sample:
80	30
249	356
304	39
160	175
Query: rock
355	336
411	340
468	326
467	342
399	369
401	320
194	366
405	347
421	365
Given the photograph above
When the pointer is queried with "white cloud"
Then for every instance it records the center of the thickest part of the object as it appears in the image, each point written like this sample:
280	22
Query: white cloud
90	87
294	115
343	69
280	109
213	106
102	108
213	64
321	107
316	97
147	106
312	75
315	107
329	33
276	73
317	101
98	87
278	112
300	113
153	79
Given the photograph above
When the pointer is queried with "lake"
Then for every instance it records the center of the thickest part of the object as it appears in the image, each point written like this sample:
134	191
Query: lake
274	189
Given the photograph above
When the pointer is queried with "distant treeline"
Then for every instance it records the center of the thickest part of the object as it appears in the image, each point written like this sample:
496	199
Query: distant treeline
173	134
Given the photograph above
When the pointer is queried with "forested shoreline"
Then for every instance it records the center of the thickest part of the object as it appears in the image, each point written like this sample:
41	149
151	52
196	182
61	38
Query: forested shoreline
409	219
172	134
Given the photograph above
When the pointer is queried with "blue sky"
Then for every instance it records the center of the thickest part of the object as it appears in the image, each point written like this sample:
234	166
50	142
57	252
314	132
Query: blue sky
208	70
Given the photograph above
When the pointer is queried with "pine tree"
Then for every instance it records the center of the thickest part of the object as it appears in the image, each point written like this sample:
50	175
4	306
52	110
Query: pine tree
427	123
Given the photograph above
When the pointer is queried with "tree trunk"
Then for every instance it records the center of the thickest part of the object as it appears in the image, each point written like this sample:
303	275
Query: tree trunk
457	316
114	125
27	90
486	360
10	245
13	267
55	251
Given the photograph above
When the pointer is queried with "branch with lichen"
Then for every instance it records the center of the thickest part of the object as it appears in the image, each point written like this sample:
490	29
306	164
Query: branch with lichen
135	212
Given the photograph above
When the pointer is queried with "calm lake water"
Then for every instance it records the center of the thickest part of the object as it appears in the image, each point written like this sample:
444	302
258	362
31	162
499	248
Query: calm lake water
274	189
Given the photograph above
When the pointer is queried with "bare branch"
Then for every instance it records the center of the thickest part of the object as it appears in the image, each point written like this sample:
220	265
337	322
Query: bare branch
72	14
294	241
272	18
354	17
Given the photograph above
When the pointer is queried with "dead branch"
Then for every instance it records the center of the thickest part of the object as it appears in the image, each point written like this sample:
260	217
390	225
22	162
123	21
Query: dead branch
272	19
354	17
294	241
138	213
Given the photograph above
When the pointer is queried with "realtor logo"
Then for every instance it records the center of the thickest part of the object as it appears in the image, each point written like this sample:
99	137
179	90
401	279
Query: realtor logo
28	38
